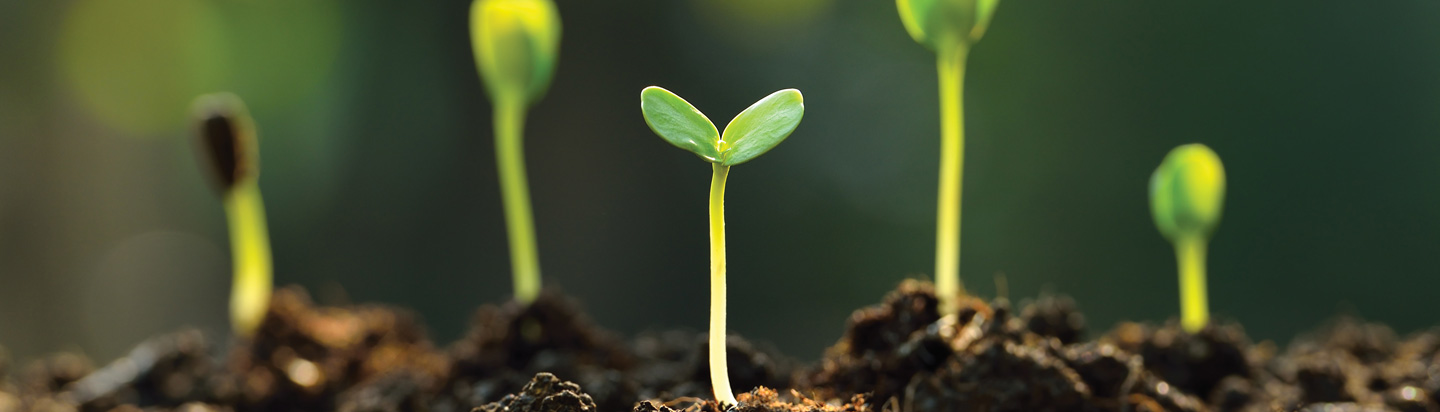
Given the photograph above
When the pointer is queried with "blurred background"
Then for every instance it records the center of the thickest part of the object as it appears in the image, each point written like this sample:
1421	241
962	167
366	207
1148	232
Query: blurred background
379	173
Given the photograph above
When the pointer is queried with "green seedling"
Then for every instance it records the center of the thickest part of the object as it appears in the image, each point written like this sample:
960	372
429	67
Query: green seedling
1187	194
516	43
949	28
228	144
750	134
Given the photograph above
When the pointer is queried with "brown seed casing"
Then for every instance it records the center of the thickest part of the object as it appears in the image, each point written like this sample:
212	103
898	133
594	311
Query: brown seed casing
226	139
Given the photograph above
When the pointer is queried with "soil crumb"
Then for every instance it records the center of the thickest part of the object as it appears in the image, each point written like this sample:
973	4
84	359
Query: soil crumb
760	399
544	393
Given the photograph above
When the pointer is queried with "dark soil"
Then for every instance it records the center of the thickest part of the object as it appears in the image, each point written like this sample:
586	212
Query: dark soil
897	356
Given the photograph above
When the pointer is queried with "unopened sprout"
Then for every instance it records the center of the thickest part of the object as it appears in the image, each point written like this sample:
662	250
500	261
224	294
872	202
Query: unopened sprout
1187	195
949	28
228	144
515	44
750	134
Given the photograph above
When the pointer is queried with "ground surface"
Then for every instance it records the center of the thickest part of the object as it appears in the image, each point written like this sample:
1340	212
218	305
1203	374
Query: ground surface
898	355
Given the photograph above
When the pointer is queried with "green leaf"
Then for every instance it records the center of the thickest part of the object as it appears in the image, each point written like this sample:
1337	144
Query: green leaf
679	123
761	126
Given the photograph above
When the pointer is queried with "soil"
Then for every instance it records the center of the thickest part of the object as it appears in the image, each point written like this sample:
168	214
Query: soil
897	356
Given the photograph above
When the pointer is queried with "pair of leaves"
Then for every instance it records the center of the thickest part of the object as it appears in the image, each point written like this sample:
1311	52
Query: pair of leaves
750	134
1187	192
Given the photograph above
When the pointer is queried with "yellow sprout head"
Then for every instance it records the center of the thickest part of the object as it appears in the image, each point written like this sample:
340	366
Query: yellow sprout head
516	43
941	24
228	144
1187	192
1187	195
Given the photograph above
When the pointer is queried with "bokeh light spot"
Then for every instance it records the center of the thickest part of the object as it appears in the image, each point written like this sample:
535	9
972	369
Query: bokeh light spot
761	24
136	64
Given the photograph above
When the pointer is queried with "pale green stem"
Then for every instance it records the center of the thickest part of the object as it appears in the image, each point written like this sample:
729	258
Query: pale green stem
951	65
1194	306
719	373
515	192
250	251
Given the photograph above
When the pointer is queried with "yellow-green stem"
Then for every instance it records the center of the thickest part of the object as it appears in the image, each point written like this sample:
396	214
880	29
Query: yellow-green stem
951	65
1194	308
250	250
515	192
719	374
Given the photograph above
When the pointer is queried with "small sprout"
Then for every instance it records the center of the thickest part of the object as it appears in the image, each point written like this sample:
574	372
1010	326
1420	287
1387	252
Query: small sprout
1187	194
949	27
940	24
752	133
516	43
228	145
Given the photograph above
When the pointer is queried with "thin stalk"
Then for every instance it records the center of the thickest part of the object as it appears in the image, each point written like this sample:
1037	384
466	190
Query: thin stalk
719	373
250	250
951	67
519	224
1194	306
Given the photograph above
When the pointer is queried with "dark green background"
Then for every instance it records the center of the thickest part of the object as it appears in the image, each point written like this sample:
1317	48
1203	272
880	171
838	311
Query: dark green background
379	176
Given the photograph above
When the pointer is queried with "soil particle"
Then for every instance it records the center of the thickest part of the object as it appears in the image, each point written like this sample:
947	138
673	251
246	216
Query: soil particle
1343	407
1154	392
749	366
510	342
396	391
9	401
1055	316
1232	394
760	399
544	393
166	371
1001	375
980	359
1354	364
1194	363
1330	376
51	374
303	357
869	357
1105	369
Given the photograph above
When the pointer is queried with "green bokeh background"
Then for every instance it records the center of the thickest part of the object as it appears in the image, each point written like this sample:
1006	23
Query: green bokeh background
379	173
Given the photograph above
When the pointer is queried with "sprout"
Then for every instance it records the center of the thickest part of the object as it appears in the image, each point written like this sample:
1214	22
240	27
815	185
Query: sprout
516	43
228	143
948	27
752	133
1187	194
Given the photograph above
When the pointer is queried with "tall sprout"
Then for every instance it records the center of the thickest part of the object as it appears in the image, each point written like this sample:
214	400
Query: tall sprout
750	134
949	28
516	43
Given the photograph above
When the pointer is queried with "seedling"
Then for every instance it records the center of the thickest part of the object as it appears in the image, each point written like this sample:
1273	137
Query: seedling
949	28
229	145
750	134
515	43
1187	194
